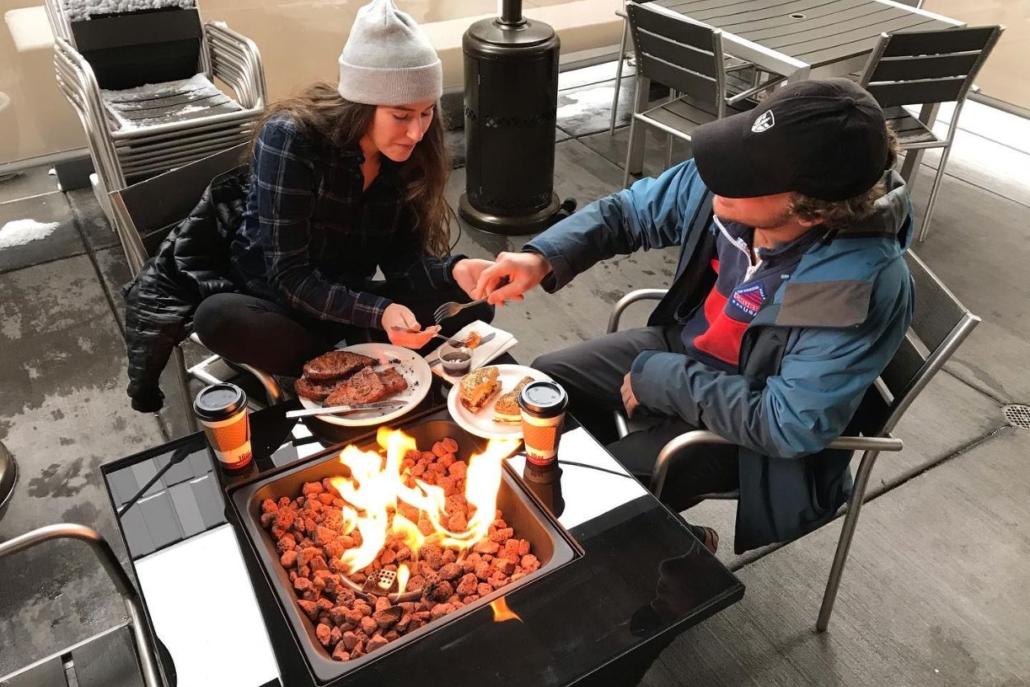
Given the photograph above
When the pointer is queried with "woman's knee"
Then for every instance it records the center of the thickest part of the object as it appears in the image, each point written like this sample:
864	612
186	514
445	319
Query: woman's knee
213	320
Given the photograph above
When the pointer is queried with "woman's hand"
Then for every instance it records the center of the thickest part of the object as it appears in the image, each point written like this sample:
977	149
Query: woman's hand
397	315
466	273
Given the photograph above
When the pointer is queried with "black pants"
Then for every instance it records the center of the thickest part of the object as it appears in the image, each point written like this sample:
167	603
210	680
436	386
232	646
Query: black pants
253	331
592	373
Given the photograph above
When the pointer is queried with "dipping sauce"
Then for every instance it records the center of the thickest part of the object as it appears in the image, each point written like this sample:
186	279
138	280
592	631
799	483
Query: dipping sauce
455	361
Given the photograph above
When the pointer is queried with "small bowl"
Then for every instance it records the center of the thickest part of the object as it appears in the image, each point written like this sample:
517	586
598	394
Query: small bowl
455	360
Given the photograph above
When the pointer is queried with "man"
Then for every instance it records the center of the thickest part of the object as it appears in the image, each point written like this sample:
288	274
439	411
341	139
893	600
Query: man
787	304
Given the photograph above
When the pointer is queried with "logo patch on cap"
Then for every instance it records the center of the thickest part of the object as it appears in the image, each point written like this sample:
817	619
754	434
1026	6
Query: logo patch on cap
764	123
749	299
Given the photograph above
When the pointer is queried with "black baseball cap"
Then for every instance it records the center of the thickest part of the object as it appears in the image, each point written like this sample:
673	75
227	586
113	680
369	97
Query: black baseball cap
826	139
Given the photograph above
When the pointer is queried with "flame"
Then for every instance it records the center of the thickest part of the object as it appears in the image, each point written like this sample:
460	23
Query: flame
402	578
376	485
502	612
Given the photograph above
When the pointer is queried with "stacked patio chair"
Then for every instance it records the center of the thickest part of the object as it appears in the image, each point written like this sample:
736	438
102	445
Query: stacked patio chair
940	324
926	68
686	56
142	85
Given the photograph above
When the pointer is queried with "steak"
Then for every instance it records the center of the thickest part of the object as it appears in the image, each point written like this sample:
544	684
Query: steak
336	365
393	381
363	387
316	391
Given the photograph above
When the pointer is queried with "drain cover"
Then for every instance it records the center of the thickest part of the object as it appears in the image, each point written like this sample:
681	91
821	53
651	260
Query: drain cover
1017	415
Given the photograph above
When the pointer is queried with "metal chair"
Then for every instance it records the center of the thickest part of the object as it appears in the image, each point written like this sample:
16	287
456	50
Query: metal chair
939	326
926	68
150	665
687	57
739	74
131	134
145	212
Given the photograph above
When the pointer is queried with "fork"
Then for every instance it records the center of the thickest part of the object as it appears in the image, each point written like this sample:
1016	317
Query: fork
452	308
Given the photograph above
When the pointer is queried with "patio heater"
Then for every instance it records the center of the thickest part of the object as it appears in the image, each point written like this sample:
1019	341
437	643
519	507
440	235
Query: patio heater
511	97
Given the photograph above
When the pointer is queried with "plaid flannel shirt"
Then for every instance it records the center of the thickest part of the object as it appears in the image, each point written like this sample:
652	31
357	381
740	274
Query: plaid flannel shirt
311	239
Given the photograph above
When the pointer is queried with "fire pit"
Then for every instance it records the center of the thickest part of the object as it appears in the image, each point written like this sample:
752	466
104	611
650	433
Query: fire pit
406	543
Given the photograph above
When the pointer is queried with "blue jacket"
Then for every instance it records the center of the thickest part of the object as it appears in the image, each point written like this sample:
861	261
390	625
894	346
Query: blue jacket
806	361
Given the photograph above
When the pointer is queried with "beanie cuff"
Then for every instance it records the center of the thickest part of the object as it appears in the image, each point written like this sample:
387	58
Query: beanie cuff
392	86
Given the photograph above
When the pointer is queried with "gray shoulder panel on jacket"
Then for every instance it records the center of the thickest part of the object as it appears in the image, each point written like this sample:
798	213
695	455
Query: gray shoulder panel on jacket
825	304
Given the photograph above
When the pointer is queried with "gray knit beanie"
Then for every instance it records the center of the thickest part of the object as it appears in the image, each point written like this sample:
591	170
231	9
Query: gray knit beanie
388	60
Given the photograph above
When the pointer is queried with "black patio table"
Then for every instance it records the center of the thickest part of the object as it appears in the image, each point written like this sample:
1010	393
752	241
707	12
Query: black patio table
640	578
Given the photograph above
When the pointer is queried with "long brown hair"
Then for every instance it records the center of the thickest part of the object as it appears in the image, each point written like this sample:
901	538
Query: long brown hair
320	110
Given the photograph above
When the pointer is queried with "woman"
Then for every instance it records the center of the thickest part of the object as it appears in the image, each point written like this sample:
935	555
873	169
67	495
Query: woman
345	181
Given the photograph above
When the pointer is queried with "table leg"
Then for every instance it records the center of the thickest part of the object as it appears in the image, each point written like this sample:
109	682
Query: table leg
910	168
636	143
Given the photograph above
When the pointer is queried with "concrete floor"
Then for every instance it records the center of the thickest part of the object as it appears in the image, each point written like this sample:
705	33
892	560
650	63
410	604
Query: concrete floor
931	595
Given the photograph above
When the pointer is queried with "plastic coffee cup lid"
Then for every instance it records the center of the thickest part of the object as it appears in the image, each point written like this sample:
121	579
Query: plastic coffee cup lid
219	401
545	399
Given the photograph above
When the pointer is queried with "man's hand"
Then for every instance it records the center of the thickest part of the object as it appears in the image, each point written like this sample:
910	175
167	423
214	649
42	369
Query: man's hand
397	315
466	273
511	276
629	399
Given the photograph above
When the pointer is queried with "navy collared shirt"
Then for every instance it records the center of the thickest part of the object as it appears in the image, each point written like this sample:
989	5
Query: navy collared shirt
312	239
714	331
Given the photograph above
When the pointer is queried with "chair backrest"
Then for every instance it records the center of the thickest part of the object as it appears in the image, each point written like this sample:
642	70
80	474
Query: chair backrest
940	324
130	49
917	67
146	211
680	53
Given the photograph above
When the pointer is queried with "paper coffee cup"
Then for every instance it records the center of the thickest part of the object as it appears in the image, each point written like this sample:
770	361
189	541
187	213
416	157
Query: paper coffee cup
543	415
222	411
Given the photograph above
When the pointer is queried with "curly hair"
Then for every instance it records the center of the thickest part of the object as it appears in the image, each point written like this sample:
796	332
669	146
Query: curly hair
835	213
322	111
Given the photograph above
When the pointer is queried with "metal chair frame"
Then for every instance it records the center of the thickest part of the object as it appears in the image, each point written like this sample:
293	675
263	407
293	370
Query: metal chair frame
699	88
150	666
940	325
926	68
733	65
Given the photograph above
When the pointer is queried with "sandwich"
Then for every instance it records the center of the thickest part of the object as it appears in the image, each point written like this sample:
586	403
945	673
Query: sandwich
477	388
506	410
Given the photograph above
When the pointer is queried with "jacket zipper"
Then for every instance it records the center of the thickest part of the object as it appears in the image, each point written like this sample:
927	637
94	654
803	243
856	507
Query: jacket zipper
742	246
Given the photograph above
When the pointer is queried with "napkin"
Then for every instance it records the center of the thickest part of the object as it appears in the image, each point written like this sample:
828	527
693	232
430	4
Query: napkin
481	355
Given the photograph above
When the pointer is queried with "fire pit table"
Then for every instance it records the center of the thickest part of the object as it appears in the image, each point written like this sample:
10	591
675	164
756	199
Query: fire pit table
582	577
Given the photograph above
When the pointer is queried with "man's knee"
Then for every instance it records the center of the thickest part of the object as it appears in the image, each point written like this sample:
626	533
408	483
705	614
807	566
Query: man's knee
553	364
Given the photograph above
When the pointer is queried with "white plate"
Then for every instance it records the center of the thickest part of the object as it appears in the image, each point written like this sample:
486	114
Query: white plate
409	363
482	423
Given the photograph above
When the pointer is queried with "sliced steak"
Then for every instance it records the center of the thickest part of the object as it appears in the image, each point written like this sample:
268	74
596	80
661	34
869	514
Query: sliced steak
362	387
316	391
393	381
336	365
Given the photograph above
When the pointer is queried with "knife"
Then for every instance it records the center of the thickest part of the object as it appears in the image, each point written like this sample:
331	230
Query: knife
343	410
434	357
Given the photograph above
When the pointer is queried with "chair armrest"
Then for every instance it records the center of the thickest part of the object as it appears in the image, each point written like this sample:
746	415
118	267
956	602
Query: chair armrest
76	80
235	60
703	436
764	86
628	300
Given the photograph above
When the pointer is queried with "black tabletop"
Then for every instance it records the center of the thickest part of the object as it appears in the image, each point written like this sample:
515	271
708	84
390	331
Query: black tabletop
641	578
817	32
